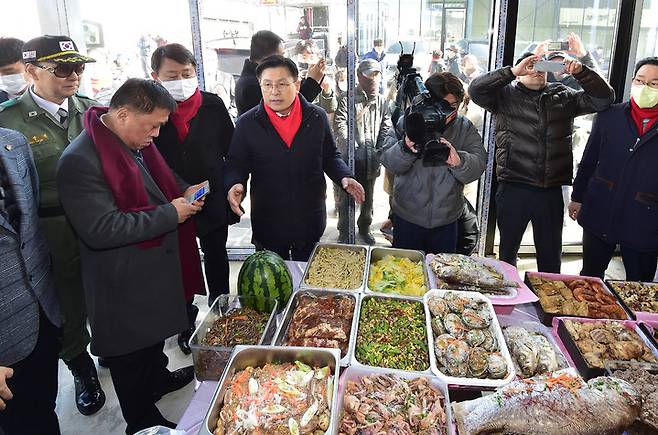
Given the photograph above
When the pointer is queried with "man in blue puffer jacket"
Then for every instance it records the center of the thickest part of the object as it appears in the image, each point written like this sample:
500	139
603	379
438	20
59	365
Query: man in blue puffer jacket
615	194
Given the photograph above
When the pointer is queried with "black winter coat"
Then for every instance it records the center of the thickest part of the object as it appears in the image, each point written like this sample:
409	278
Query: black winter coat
617	181
201	157
533	128
288	188
248	93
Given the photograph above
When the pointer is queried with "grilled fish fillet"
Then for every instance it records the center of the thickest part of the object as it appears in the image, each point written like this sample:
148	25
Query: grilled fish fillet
456	268
538	406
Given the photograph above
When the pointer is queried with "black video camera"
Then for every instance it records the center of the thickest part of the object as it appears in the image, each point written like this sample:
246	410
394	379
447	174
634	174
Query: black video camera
426	116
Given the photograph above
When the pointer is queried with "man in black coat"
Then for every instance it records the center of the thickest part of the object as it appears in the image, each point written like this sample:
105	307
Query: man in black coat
129	210
286	145
195	143
264	44
534	158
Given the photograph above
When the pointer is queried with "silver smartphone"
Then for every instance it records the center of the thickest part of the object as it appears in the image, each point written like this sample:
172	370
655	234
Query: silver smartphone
558	45
550	66
199	193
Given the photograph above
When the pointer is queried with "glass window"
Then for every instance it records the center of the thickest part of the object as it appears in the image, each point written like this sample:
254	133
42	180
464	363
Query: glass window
646	44
553	20
648	41
122	43
226	30
21	13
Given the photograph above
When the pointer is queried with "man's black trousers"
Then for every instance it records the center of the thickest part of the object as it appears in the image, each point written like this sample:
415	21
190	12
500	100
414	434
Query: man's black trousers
518	204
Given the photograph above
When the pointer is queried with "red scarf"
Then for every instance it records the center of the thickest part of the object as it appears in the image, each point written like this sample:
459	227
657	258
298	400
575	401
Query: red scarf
287	126
185	111
640	114
125	180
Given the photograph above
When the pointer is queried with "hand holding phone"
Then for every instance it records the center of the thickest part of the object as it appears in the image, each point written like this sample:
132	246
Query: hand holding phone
558	45
199	193
550	66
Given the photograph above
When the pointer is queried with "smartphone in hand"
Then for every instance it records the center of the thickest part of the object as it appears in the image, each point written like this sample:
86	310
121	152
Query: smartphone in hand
199	193
558	46
550	66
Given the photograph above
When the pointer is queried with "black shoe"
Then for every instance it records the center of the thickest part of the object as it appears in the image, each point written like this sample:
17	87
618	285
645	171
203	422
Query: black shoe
342	237
367	237
89	396
184	341
174	381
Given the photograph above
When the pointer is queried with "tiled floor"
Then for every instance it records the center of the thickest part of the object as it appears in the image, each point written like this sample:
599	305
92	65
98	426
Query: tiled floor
109	421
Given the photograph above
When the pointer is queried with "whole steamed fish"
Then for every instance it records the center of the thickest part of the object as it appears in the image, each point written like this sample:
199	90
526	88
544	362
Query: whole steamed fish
462	270
555	404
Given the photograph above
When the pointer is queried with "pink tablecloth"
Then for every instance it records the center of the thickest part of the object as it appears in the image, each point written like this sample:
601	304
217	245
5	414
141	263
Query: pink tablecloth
192	419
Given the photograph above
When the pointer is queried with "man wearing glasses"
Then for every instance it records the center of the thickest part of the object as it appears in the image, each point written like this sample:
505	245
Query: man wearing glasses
49	114
286	146
615	193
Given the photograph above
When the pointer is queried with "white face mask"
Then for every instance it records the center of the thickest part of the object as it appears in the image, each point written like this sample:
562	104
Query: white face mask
181	90
13	84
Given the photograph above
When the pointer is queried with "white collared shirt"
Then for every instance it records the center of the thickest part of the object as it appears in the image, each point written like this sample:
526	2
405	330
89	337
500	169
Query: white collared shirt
49	106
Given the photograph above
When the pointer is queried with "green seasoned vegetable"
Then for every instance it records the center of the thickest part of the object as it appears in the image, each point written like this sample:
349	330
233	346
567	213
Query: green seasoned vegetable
392	334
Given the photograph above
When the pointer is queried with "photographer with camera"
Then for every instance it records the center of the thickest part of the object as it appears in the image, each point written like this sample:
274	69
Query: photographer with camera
439	153
534	158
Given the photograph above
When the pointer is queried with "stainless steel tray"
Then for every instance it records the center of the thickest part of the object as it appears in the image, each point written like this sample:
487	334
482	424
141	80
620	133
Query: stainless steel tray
210	361
256	356
379	253
357	372
303	283
355	335
282	333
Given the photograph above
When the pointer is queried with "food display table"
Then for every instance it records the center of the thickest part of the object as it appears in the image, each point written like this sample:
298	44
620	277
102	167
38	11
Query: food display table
518	313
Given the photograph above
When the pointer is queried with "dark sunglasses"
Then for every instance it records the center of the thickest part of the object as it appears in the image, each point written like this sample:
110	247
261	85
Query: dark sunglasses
64	71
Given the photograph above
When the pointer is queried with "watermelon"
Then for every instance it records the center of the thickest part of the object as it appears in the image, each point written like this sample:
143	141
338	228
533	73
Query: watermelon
263	275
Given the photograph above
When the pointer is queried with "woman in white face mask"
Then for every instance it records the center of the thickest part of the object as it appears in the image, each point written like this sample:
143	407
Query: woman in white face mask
195	143
12	69
615	194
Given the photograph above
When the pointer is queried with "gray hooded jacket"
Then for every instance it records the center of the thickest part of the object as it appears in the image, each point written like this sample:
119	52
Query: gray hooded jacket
433	196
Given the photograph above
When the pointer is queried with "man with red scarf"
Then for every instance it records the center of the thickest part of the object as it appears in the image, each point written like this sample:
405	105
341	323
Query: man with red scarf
137	244
615	193
195	143
285	144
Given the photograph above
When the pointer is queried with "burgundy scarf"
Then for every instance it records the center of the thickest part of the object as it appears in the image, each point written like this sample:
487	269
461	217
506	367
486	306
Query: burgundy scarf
185	111
125	180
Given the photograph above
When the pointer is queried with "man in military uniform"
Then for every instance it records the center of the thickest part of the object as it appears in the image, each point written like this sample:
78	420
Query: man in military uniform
49	114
